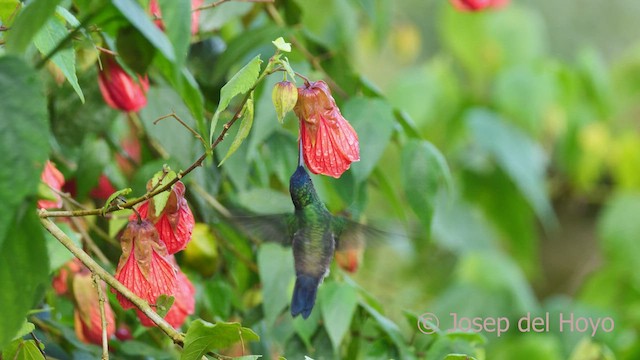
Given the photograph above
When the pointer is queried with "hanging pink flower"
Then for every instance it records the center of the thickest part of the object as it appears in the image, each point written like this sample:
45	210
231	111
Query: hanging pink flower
175	223
104	189
477	5
119	90
54	179
329	143
61	281
143	265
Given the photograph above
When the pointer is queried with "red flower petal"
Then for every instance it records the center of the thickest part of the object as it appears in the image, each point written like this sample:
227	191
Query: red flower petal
119	90
54	178
329	143
183	306
477	5
104	189
143	267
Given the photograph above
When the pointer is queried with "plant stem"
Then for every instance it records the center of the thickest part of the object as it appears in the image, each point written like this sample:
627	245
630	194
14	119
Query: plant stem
96	269
103	316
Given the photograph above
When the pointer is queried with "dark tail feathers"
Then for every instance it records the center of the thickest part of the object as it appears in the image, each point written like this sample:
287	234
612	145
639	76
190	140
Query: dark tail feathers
304	295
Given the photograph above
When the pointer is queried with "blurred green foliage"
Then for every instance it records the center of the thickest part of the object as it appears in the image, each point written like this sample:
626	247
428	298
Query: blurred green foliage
501	160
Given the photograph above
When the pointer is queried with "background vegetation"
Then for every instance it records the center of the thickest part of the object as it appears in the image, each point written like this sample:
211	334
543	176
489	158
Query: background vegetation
500	153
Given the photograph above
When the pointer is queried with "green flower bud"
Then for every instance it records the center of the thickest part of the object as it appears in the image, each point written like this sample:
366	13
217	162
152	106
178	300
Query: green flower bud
284	96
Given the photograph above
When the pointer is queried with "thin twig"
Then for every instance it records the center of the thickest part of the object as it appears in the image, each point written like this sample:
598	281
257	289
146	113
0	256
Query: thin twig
141	304
39	345
314	60
177	118
220	2
103	316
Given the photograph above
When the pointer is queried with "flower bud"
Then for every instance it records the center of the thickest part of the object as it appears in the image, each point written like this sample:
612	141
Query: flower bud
284	96
478	5
119	90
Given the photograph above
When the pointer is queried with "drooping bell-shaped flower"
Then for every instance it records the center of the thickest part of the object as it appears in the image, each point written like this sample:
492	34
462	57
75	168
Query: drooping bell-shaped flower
154	8
53	178
183	305
119	90
87	319
143	266
61	281
478	5
174	223
329	143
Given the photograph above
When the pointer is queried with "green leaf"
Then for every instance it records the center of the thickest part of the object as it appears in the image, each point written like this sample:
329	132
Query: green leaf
141	21
243	81
243	131
160	179
203	337
424	169
25	268
28	23
176	17
22	350
282	45
518	155
339	303
618	229
163	304
388	327
24	136
265	201
65	59
459	357
93	159
373	121
275	264
25	329
333	23
58	254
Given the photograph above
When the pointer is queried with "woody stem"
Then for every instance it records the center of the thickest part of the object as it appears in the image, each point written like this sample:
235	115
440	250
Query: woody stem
96	269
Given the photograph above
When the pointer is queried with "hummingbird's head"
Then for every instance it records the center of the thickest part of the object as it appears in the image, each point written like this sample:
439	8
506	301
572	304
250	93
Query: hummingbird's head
301	188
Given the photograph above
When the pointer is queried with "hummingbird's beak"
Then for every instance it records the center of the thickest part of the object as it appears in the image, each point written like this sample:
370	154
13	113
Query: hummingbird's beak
300	159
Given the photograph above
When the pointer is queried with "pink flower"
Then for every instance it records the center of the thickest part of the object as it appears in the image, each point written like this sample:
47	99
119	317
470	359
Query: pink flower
329	143
60	282
175	222
154	8
119	90
87	319
54	179
143	265
477	5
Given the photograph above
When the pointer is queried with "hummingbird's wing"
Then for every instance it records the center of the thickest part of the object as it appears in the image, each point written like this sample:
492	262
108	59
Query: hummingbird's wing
277	228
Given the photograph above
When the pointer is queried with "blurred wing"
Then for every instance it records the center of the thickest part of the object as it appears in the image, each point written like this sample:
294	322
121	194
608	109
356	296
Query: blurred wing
266	228
354	235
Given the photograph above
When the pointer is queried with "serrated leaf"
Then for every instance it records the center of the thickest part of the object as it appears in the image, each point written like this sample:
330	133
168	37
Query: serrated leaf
30	20
339	303
282	45
163	304
65	59
243	131
424	170
203	337
141	21
24	136
243	81
22	350
25	268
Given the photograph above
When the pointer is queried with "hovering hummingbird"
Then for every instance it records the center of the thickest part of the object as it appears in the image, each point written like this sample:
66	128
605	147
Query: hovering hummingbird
314	234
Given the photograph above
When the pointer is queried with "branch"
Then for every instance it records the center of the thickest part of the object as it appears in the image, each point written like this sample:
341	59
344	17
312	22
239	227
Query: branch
103	316
220	2
97	270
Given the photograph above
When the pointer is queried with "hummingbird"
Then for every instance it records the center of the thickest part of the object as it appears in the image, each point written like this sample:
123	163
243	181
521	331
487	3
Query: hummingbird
313	232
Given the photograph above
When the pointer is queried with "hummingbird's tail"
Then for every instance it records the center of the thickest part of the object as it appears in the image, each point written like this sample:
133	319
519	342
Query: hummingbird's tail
304	295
